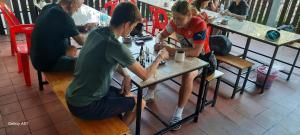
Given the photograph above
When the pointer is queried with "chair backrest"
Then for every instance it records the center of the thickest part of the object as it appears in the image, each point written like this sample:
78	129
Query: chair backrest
112	5
156	12
9	16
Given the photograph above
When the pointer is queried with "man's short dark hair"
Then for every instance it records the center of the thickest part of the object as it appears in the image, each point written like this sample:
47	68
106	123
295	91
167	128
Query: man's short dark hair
125	12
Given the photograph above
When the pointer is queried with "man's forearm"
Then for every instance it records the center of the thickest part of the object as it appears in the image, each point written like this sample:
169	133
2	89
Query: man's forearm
152	68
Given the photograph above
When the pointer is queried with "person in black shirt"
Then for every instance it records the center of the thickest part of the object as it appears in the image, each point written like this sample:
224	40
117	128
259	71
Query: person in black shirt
238	9
50	49
213	5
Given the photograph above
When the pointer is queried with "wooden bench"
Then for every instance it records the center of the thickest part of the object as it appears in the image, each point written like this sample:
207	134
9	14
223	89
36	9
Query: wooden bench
240	64
112	126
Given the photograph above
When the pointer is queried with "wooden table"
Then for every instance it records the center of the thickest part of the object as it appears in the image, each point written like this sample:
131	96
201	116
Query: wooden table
248	29
165	72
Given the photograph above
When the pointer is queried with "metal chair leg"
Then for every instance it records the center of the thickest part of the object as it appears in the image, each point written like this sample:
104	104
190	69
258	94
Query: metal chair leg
245	81
216	92
40	79
236	83
204	96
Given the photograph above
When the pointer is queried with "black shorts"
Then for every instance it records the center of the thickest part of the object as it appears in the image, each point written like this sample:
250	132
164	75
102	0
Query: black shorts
64	64
113	104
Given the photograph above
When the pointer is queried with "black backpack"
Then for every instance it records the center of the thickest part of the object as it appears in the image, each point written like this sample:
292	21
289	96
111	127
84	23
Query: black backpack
220	44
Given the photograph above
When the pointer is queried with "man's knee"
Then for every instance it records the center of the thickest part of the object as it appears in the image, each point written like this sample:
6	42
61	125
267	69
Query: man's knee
190	76
143	102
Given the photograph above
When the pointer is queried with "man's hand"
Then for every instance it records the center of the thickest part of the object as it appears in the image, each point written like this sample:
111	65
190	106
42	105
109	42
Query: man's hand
126	86
164	54
90	26
158	46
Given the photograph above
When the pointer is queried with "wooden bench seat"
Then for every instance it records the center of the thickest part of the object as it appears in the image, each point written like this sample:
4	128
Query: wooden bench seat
234	61
112	126
295	45
215	75
240	64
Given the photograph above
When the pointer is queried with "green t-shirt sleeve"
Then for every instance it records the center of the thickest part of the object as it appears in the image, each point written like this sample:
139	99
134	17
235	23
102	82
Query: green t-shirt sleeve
121	54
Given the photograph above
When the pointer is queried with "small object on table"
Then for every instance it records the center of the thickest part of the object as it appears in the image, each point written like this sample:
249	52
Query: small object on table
224	22
272	35
139	42
179	56
166	4
144	38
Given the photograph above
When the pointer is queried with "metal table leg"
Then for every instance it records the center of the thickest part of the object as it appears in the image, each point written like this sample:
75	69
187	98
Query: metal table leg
200	94
270	68
246	48
139	111
293	66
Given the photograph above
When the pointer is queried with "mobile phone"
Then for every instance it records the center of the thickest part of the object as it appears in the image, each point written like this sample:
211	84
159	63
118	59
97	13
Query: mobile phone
139	42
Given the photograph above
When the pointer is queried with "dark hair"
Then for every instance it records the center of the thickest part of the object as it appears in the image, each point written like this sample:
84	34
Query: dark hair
182	7
197	3
125	12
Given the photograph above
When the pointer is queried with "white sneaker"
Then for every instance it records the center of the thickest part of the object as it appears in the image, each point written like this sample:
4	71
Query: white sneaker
174	120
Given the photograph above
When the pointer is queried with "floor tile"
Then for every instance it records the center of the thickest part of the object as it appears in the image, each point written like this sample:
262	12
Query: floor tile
2	131
34	112
6	90
39	123
10	108
46	131
6	99
30	102
27	94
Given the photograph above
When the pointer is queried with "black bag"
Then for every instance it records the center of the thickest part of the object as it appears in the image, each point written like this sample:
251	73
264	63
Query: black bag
211	59
138	30
220	44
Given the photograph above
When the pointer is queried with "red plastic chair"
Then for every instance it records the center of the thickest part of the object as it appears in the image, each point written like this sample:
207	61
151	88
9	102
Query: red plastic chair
21	48
157	23
11	21
112	5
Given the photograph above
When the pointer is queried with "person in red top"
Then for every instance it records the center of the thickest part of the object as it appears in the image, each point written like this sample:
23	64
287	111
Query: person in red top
197	5
191	32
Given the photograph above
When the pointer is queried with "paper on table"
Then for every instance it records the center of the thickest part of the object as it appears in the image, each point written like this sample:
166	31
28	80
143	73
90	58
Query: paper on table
86	15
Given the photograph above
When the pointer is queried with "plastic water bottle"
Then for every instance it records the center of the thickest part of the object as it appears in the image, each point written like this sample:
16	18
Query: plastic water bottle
221	7
104	19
